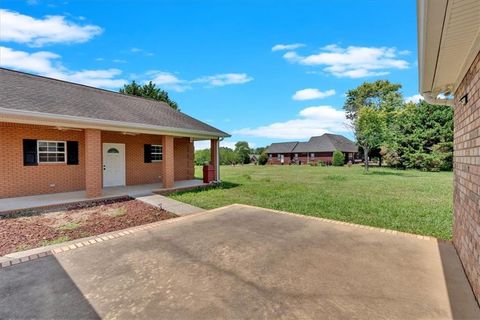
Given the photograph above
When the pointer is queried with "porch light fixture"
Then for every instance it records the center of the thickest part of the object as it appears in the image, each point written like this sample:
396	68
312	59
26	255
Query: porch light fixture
129	134
464	99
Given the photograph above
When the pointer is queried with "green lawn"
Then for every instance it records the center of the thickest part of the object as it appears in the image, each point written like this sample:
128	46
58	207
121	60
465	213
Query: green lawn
411	201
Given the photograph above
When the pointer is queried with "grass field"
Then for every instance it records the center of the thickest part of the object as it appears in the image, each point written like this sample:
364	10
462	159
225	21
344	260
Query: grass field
411	201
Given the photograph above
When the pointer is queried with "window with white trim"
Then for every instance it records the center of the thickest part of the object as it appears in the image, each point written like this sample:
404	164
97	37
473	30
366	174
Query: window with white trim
156	152
51	151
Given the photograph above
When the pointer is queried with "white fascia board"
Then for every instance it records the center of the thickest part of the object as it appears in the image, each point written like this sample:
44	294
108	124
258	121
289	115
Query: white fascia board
40	118
430	21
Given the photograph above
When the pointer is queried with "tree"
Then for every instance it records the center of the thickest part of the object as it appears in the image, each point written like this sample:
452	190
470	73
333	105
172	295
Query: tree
422	138
243	151
149	90
259	150
202	157
378	95
227	156
263	159
381	95
338	158
370	129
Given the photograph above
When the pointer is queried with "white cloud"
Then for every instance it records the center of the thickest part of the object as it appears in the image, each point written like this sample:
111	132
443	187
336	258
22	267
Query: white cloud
171	81
16	27
141	51
47	64
168	80
281	47
352	62
119	61
311	94
219	80
312	121
416	98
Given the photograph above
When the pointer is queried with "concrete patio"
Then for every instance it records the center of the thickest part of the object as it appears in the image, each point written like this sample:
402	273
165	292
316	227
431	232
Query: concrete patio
242	262
44	200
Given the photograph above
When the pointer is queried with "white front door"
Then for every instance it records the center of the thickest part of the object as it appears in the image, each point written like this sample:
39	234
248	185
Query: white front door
113	164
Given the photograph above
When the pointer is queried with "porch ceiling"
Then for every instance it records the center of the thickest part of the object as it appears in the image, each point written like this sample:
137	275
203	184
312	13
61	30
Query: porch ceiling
448	42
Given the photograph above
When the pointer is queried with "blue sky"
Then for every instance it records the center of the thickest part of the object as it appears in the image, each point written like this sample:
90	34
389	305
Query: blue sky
264	71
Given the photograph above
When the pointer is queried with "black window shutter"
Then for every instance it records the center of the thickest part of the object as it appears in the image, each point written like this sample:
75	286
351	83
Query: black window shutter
29	152
72	152
147	154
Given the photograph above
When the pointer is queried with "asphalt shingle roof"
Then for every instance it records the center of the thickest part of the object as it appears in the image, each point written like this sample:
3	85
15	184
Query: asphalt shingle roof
324	143
23	91
281	147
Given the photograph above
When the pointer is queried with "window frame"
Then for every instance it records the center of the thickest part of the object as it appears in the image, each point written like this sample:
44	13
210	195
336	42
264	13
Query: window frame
152	153
39	161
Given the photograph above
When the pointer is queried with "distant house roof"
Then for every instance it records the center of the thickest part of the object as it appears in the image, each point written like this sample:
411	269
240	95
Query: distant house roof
324	143
254	157
24	94
281	147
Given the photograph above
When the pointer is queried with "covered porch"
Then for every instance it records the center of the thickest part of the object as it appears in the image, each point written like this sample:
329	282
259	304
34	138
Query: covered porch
46	200
51	163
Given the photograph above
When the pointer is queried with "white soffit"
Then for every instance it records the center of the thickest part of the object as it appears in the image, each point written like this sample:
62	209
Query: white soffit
460	43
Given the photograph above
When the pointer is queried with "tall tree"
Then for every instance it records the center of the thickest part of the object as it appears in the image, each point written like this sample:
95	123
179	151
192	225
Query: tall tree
242	149
370	129
422	137
259	150
149	90
381	95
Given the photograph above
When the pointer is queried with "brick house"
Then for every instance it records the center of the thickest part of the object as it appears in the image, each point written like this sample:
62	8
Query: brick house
57	136
449	64
316	149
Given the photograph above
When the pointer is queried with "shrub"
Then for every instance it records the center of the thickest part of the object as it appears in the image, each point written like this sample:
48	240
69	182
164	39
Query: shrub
338	158
263	159
321	163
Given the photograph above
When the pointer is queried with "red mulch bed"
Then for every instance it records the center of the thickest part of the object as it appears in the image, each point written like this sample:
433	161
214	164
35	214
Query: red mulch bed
35	228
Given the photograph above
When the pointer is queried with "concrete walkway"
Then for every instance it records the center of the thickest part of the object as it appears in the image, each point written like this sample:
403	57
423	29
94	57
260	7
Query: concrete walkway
170	205
44	200
241	262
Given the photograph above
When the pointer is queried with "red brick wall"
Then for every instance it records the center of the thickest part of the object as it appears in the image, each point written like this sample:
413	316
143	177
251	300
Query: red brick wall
466	227
137	171
168	163
18	180
93	163
324	156
184	159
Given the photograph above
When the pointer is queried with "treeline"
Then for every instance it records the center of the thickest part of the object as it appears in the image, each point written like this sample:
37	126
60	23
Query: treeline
239	155
402	134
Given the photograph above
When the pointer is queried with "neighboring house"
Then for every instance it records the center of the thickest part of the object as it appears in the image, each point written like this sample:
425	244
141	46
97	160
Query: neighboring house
449	63
254	158
316	149
57	136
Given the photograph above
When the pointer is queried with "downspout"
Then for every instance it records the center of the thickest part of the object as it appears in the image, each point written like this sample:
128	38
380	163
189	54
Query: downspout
429	98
